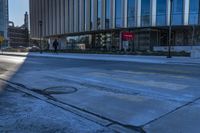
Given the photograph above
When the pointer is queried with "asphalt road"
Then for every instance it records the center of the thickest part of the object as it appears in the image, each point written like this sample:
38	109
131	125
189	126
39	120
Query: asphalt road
143	97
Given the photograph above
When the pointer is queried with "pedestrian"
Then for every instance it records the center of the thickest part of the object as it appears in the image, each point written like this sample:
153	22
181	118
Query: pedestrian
55	45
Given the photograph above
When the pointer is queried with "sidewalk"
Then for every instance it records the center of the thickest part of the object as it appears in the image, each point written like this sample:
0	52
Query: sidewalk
106	57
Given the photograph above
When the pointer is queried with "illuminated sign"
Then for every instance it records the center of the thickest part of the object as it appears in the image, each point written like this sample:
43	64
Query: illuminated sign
127	36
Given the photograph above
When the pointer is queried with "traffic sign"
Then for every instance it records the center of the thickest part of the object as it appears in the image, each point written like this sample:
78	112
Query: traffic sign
127	36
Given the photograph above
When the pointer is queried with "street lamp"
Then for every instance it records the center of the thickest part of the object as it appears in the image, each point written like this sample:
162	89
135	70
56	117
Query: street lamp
170	30
40	29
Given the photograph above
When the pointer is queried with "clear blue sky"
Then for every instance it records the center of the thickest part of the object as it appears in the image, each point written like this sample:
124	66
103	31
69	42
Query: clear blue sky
17	8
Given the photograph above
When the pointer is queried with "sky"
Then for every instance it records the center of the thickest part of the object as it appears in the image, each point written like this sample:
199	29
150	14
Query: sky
17	9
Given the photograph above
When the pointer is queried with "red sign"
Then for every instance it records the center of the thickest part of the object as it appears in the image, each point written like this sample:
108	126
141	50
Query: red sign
127	36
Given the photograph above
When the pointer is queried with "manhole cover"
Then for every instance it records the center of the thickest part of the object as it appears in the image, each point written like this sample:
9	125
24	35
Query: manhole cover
60	90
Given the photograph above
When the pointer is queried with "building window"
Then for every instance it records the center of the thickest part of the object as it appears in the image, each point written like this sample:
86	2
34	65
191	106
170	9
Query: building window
118	13
76	15
87	17
161	11
194	12
92	14
177	12
131	13
108	15
99	14
145	13
81	14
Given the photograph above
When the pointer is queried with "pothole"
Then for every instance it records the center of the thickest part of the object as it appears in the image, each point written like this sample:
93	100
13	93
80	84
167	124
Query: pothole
60	90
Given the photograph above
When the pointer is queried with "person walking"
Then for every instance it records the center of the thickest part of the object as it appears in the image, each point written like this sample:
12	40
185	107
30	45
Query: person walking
55	45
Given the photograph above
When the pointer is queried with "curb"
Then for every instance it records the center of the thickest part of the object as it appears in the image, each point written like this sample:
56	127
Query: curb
116	59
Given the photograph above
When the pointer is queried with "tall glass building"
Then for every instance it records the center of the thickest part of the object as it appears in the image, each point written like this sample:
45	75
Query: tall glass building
4	18
99	24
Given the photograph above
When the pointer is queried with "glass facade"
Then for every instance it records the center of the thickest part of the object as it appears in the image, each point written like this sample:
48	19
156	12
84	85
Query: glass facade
1	18
145	13
161	12
194	12
92	12
177	12
131	13
108	14
118	14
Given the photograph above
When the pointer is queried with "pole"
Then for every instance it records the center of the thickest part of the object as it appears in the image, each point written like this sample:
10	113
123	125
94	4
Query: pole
0	45
193	33
170	31
40	25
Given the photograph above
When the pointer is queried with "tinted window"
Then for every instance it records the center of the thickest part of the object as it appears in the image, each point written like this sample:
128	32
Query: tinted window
107	21
118	13
194	12
131	13
99	14
161	12
92	14
177	12
145	13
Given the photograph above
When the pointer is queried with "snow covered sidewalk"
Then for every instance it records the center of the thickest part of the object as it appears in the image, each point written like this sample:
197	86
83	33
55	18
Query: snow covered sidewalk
107	57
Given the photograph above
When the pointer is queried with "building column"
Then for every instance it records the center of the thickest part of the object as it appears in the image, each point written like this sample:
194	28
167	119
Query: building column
62	17
76	15
71	16
66	21
39	16
31	17
46	18
112	23
125	13
54	16
58	17
103	14
153	12
88	16
43	17
168	11
186	12
81	15
95	14
138	8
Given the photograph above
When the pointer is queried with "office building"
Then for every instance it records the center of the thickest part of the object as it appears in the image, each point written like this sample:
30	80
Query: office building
99	24
4	20
19	35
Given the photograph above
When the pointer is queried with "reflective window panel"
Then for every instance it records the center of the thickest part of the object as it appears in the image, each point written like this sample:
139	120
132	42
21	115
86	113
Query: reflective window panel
161	11
131	13
145	12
